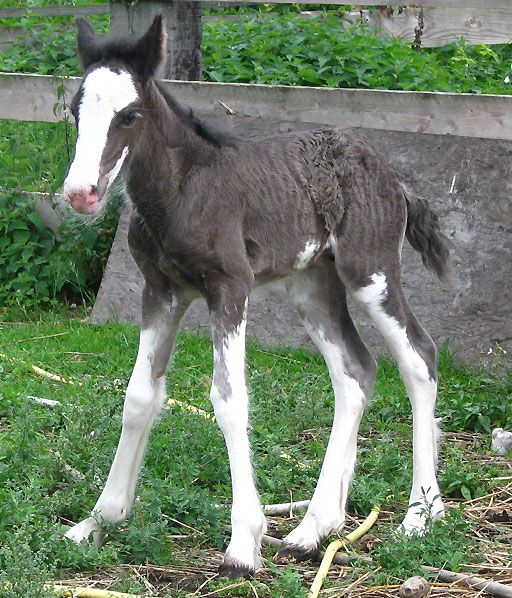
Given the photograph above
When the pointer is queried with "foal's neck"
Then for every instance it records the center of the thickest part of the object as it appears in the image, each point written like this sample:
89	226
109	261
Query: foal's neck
170	126
165	152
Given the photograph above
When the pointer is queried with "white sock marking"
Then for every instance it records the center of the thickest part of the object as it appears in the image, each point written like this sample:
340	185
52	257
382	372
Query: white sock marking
231	412
422	391
326	511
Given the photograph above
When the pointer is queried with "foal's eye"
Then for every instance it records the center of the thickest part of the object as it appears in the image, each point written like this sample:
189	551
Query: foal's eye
130	118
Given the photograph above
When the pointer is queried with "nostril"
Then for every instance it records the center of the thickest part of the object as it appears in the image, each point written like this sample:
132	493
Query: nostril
93	189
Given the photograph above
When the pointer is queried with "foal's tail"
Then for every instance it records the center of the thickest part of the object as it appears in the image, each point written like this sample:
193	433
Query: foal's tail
424	234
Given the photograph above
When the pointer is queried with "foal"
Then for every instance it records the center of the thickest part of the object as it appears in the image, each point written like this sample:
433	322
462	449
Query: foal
214	216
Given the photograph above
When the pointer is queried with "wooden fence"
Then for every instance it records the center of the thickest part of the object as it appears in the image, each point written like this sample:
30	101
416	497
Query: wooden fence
32	97
468	180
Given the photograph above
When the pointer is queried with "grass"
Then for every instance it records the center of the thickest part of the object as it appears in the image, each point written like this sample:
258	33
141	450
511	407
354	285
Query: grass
175	525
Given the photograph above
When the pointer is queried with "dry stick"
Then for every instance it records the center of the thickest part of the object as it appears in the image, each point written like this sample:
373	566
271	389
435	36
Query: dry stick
339	559
359	581
284	508
479	583
36	338
278	356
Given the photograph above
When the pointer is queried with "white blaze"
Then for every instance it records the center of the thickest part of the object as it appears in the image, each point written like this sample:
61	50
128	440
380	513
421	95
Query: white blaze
105	93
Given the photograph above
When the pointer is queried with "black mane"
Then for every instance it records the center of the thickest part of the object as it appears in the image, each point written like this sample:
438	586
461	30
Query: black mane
187	116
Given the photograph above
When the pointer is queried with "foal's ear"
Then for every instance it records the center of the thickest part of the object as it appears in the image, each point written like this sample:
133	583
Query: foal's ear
88	49
151	49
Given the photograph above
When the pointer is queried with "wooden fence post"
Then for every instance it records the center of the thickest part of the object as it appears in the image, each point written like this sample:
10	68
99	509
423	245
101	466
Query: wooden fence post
184	31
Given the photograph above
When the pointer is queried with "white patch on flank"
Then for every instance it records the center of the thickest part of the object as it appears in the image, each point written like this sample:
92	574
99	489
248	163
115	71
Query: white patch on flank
307	254
422	391
105	93
331	243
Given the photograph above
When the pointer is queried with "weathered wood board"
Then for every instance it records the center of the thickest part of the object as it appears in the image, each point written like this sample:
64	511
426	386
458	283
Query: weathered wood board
54	11
444	25
34	97
468	181
50	11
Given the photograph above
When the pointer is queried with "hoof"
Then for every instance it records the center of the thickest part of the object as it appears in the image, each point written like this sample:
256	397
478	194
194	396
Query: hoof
233	569
86	531
293	553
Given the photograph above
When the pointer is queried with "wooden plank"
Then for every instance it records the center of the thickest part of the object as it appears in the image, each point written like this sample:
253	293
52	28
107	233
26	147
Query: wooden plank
446	3
486	116
443	25
32	97
56	11
52	11
347	20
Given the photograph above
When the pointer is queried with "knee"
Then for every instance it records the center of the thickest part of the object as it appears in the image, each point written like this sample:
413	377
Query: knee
231	415
143	400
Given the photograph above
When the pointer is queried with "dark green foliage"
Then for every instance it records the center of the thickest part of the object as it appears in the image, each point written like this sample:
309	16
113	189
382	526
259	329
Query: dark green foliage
446	545
471	399
27	271
289	50
36	269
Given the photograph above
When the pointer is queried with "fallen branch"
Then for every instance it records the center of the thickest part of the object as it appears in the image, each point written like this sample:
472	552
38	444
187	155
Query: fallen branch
39	371
45	402
191	408
36	338
339	559
73	592
333	548
285	507
478	583
74	473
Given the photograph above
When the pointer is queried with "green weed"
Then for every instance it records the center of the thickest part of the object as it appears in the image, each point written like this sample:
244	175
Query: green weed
447	544
186	471
35	269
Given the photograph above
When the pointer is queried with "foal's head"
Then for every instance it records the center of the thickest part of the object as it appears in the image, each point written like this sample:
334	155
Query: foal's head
107	109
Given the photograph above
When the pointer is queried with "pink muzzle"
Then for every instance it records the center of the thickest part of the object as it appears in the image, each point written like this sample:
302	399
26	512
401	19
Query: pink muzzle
83	199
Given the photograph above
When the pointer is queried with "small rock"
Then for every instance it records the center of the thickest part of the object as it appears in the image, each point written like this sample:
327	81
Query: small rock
501	441
414	587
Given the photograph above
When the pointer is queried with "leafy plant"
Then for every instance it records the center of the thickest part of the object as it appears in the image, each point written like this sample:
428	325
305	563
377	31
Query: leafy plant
287	583
289	50
26	249
447	544
25	571
36	269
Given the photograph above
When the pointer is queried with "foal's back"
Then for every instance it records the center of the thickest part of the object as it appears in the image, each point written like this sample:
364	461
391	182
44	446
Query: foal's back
291	197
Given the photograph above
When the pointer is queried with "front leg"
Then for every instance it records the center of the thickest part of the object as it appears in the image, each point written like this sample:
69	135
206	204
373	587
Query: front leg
230	402
144	397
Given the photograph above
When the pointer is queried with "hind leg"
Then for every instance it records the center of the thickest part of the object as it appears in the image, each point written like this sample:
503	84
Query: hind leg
381	296
319	296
